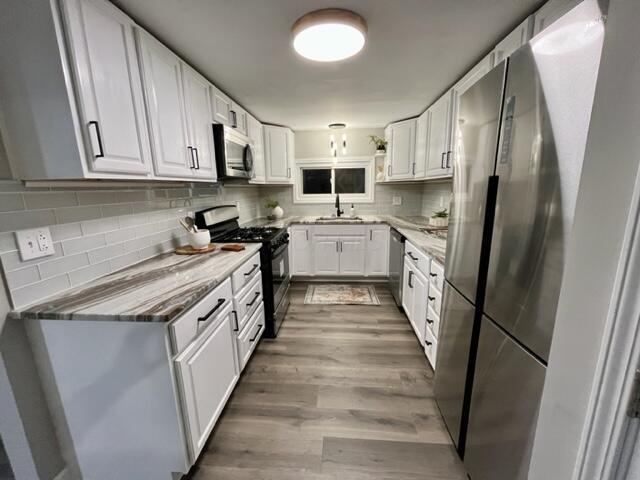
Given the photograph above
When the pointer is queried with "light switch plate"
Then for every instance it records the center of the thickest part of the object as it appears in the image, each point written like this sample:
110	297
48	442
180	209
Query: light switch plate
397	200
34	243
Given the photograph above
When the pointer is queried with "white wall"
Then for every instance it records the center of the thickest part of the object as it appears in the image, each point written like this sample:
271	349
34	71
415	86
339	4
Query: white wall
609	175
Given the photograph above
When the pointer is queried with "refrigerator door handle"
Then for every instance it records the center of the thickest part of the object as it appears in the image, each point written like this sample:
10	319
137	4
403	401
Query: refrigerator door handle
507	129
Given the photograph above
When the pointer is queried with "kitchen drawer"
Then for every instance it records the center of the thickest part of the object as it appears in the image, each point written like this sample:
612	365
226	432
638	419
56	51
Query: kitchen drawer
186	327
431	348
433	321
435	299
346	230
248	301
250	336
418	258
243	275
436	276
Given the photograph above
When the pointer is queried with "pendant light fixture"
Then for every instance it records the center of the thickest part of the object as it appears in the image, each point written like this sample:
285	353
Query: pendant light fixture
329	35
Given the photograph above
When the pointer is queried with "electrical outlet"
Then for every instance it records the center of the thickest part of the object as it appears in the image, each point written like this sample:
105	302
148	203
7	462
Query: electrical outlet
35	243
397	200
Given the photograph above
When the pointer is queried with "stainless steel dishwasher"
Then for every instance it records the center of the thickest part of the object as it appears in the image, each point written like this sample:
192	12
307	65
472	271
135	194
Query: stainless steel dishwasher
396	262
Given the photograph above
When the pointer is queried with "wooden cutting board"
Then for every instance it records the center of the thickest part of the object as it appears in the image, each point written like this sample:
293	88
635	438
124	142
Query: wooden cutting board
189	250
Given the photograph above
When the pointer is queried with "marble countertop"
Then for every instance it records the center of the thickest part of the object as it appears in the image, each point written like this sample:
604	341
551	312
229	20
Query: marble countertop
155	290
433	244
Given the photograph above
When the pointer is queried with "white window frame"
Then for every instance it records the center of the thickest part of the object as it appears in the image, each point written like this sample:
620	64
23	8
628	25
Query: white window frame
340	162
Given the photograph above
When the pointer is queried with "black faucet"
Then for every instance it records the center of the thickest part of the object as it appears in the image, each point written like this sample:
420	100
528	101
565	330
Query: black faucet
338	212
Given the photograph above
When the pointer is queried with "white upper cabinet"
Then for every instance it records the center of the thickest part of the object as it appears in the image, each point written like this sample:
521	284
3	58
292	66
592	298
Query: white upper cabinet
512	42
166	109
439	149
221	106
377	248
255	133
278	154
200	123
423	127
105	64
550	12
401	150
238	118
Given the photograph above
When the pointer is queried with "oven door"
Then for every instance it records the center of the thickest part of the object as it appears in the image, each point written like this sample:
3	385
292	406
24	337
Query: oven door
280	278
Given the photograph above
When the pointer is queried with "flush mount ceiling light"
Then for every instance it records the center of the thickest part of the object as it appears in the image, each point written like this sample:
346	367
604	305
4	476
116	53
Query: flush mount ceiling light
329	35
337	126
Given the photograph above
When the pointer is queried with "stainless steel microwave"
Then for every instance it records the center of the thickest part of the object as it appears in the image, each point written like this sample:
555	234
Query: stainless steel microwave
234	157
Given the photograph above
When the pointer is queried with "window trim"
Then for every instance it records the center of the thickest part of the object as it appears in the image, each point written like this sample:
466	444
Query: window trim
340	162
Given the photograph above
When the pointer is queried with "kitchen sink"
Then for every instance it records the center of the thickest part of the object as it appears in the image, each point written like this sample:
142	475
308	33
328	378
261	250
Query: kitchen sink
338	219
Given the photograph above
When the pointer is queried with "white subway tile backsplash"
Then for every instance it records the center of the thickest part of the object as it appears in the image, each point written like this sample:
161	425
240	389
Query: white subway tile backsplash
83	244
86	274
120	235
38	200
136	244
118	263
96	197
63	265
65	231
92	227
37	291
7	242
77	214
10	202
12	221
116	210
24	276
101	254
12	260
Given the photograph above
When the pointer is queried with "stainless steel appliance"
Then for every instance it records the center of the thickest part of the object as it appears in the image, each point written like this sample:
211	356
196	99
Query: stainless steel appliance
234	157
396	259
222	223
521	141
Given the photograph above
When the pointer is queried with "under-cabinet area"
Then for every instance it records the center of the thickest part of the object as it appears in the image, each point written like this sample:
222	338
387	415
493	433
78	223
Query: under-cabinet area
272	240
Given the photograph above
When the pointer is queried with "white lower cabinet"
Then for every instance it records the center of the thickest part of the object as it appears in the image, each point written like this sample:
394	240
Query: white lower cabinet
377	250
301	260
352	256
414	298
249	336
207	372
326	255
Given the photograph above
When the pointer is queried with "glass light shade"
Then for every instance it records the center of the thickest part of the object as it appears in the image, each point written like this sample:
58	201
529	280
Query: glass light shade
329	35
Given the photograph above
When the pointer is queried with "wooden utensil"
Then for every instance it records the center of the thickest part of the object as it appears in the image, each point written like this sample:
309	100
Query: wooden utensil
189	250
232	247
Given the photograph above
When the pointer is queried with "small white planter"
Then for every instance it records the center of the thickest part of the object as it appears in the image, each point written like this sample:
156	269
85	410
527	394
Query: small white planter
438	221
277	212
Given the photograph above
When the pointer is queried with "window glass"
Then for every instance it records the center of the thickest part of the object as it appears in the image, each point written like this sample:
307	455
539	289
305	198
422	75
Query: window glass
316	181
350	180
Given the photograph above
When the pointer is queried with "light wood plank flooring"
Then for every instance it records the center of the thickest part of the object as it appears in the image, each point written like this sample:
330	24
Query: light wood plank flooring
344	393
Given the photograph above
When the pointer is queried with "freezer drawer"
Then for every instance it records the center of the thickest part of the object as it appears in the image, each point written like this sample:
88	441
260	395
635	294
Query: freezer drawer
454	342
506	396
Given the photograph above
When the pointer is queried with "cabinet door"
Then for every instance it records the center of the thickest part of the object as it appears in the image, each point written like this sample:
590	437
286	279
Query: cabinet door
276	144
165	107
207	372
105	62
301	251
407	290
422	144
199	122
377	258
254	132
326	255
238	118
403	148
221	105
550	12
420	301
352	255
513	41
439	138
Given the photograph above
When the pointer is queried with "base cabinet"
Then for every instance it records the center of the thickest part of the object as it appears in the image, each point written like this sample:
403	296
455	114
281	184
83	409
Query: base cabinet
207	372
414	299
352	256
377	251
326	255
302	258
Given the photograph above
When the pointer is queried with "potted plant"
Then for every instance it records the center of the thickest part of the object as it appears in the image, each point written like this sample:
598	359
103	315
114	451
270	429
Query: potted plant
275	208
439	218
379	142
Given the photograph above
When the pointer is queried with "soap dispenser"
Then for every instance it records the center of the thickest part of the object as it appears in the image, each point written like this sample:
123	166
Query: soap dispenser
352	211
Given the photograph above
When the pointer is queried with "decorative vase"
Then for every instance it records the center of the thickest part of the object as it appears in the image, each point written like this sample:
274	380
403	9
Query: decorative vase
277	212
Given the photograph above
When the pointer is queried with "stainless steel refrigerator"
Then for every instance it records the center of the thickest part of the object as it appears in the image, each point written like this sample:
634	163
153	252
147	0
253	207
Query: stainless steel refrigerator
521	140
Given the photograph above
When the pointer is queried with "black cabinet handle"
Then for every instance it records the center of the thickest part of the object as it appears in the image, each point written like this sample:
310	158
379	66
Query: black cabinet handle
431	298
234	119
197	161
430	322
255	265
306	234
193	162
428	343
410	277
235	318
412	257
213	310
449	158
257	333
433	274
99	137
254	299
442	160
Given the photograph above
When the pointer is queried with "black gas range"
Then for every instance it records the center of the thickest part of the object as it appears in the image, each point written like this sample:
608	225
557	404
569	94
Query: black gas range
222	223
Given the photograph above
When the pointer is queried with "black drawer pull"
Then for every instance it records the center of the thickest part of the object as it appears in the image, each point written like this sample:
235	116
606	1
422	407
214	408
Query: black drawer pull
254	299
430	322
252	270
431	299
410	277
428	343
213	310
235	317
412	257
433	274
257	333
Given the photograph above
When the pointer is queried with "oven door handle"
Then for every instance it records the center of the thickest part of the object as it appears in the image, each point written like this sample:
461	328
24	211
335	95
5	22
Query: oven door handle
280	250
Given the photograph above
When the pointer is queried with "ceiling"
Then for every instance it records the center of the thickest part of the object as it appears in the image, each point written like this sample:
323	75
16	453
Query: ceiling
415	50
